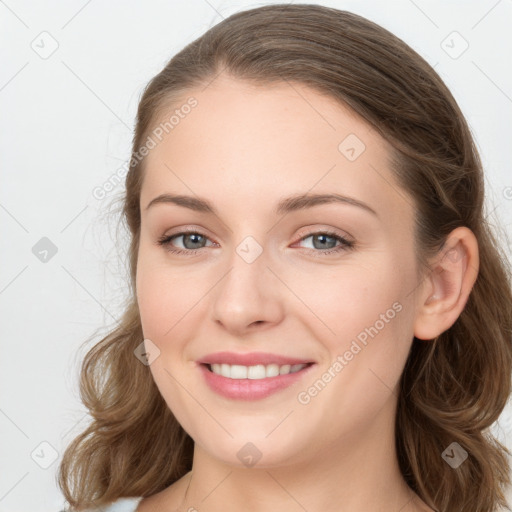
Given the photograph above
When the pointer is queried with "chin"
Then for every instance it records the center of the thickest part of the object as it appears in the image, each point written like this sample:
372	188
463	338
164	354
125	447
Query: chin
255	451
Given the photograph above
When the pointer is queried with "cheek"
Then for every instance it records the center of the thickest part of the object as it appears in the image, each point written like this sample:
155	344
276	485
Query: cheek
366	317
164	311
345	300
149	298
374	336
164	296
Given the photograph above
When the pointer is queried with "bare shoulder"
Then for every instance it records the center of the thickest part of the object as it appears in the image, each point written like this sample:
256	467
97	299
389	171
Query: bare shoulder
168	499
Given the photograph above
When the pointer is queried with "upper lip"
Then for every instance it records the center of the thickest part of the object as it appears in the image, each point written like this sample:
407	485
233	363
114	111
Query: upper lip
250	359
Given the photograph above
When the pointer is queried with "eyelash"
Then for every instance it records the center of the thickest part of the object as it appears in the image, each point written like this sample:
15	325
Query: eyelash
346	244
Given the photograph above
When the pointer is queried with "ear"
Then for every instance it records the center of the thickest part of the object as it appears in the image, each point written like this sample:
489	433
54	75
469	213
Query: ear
446	289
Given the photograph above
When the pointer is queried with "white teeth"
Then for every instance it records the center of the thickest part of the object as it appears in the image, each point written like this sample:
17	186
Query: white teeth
272	370
259	371
238	372
256	372
284	369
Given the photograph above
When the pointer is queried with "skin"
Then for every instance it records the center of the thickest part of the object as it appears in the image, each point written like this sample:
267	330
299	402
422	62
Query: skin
243	148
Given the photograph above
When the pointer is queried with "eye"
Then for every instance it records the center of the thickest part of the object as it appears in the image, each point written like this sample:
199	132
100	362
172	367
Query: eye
190	238
193	241
328	238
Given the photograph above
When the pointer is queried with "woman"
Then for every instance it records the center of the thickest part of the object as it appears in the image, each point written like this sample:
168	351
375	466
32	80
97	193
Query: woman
320	315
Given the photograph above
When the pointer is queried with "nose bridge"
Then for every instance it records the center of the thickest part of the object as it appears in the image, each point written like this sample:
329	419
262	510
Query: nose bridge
248	263
250	250
247	294
249	242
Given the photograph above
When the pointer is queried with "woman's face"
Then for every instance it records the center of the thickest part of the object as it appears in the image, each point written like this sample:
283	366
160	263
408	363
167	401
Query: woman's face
264	283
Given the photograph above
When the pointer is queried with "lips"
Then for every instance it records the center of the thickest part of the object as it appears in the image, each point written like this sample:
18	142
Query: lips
248	381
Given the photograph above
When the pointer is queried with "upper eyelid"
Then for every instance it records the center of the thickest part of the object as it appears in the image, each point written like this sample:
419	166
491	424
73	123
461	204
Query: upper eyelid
331	231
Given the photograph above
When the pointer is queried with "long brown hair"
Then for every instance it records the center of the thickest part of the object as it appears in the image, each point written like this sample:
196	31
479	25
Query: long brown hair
452	388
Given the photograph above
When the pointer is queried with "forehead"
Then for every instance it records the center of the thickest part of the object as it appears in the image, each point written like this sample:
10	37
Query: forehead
250	141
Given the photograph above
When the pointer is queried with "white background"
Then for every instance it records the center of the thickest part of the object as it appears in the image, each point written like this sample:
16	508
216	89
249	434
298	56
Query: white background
66	124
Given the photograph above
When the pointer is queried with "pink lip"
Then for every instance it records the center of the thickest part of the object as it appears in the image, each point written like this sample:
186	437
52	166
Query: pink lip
249	389
250	359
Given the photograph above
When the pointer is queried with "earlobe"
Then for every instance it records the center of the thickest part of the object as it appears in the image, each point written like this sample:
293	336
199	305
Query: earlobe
447	287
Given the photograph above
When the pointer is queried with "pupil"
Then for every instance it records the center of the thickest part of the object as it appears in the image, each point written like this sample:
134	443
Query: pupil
322	245
193	236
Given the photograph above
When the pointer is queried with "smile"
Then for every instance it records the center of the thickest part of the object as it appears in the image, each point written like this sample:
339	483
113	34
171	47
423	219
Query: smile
255	382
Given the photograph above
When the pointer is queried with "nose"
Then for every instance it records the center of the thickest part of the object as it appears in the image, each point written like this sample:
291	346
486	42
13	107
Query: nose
249	294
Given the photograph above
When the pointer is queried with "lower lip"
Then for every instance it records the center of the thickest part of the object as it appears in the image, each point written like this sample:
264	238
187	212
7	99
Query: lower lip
250	389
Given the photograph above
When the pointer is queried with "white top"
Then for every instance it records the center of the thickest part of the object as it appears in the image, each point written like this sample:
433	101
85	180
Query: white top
120	505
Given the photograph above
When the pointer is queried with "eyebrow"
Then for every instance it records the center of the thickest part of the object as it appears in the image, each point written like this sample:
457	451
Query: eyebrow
286	205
